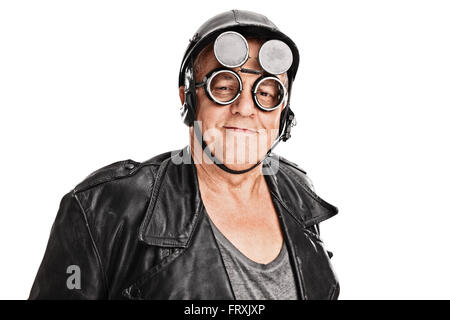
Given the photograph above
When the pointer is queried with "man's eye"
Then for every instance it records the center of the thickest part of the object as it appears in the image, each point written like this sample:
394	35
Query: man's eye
265	94
224	88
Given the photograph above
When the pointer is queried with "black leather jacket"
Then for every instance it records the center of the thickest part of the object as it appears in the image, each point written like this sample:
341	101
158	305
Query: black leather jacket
139	231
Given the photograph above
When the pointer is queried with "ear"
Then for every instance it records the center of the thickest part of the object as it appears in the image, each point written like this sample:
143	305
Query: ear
182	94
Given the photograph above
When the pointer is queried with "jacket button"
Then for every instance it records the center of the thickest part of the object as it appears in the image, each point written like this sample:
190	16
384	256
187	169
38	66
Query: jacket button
129	166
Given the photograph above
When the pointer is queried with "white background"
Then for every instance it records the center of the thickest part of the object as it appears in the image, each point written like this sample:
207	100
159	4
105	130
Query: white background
87	83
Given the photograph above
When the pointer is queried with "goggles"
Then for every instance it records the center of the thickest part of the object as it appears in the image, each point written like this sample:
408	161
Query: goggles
223	86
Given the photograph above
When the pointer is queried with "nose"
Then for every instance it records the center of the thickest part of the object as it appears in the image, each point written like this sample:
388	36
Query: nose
244	105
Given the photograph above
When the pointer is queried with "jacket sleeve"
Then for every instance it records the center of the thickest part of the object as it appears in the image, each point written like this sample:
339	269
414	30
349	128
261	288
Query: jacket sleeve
71	267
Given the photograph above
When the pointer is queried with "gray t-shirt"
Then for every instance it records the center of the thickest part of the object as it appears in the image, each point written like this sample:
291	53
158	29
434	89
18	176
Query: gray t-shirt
251	280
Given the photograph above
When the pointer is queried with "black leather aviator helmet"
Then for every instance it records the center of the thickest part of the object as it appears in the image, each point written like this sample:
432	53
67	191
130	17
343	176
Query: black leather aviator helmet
250	25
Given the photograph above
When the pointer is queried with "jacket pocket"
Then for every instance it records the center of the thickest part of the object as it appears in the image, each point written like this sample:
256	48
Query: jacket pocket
134	290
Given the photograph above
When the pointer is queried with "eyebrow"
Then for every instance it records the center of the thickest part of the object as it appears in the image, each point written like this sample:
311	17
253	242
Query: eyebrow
273	85
228	77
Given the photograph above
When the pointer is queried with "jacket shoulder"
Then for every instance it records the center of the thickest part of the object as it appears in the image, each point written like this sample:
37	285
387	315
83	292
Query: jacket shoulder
118	170
294	168
294	184
291	164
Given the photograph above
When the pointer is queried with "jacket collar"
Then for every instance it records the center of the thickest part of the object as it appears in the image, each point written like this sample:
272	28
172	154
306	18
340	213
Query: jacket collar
175	204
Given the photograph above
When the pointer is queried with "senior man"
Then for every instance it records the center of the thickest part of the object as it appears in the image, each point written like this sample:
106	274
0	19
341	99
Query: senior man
222	218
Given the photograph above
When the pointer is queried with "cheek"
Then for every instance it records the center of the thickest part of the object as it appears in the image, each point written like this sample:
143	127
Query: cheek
209	113
271	123
271	120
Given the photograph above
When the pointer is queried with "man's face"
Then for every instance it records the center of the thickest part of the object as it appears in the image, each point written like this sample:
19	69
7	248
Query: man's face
240	133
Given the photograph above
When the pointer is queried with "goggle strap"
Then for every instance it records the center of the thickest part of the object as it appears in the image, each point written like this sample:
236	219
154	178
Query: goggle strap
252	71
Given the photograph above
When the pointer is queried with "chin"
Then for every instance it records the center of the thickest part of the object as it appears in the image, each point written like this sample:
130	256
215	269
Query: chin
241	156
237	156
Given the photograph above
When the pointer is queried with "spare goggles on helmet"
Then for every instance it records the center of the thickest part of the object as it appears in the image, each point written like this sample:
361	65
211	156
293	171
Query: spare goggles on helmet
223	86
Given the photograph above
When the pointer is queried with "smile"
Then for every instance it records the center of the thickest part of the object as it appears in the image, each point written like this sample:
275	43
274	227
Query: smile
241	130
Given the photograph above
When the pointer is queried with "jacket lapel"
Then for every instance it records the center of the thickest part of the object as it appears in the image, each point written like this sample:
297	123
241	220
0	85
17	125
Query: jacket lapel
174	208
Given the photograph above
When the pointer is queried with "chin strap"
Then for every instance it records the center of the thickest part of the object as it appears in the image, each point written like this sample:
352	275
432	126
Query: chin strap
217	162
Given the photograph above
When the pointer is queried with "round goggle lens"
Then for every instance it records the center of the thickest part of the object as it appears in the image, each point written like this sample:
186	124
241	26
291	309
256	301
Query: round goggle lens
231	49
275	57
224	87
269	93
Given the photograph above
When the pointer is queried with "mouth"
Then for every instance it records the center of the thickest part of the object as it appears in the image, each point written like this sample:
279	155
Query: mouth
241	130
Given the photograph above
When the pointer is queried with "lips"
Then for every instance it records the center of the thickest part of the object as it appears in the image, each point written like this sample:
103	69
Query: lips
240	129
